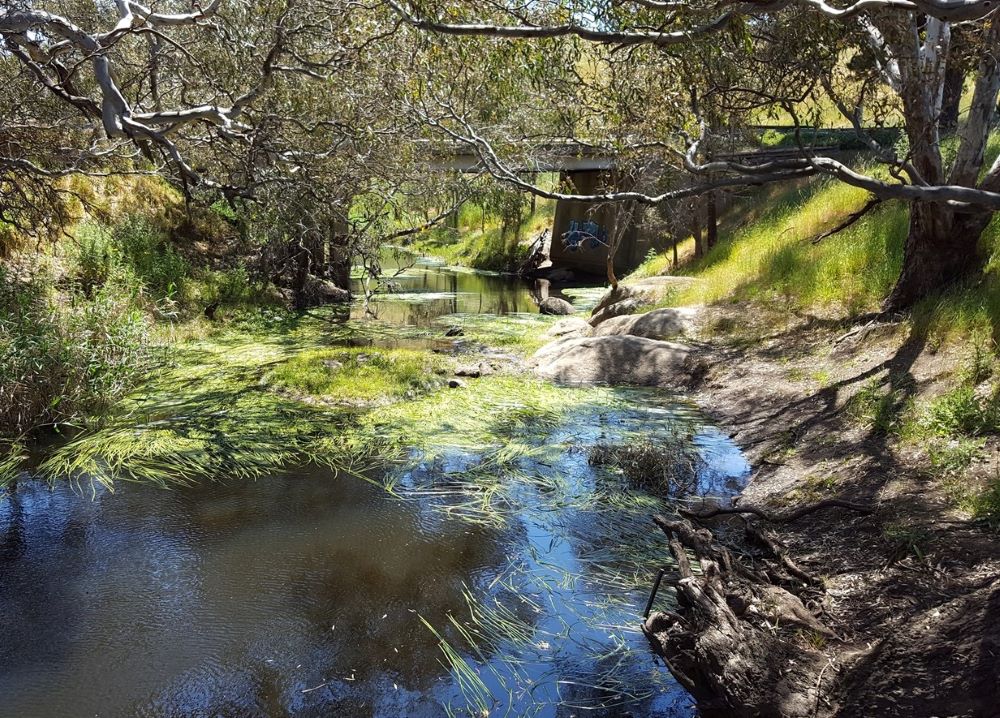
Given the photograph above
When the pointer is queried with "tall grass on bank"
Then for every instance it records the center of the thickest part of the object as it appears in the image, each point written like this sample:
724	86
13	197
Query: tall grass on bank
773	258
64	357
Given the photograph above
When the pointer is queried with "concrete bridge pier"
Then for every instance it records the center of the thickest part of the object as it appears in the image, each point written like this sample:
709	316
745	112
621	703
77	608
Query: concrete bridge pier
581	230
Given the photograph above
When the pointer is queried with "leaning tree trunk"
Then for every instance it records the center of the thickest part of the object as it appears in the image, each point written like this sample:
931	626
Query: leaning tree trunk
942	247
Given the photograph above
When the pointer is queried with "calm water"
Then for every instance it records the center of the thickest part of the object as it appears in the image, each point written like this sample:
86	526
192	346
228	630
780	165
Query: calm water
420	293
307	594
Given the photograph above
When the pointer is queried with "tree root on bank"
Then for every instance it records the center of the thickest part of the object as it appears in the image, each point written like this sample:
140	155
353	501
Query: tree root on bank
779	518
738	642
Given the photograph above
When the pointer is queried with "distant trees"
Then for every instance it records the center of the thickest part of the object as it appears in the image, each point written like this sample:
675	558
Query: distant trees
878	62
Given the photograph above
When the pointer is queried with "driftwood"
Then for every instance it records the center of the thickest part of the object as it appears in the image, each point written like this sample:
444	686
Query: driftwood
737	641
794	515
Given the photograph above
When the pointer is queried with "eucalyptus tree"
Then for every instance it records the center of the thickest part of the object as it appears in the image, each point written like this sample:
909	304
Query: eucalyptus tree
878	61
283	107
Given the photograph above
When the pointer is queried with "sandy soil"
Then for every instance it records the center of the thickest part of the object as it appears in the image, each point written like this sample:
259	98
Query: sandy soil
913	590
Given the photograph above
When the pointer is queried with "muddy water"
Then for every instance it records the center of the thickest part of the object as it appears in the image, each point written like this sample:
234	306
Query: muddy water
308	594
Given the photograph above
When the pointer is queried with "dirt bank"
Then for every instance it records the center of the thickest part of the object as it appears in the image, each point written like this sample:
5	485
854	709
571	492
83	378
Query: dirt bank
910	593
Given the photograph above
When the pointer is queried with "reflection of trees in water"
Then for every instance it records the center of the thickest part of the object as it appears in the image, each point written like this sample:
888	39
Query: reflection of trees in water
12	540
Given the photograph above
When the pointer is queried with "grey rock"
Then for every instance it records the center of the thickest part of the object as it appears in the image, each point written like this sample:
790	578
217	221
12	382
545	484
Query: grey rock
658	324
569	327
554	305
456	384
630	305
617	360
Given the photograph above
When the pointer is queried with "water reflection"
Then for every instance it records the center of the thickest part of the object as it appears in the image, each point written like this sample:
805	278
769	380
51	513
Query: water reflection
426	290
230	599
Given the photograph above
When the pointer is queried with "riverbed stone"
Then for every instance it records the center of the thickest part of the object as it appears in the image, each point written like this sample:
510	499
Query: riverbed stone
658	324
614	360
629	305
569	327
557	306
648	290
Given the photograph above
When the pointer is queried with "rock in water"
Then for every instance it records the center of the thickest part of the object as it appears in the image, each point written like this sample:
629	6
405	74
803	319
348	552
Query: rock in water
554	305
616	360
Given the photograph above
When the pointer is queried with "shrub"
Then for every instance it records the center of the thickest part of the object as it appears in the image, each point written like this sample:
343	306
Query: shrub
63	360
963	411
145	249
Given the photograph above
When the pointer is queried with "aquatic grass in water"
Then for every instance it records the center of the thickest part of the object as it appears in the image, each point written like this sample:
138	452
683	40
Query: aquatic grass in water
360	375
555	628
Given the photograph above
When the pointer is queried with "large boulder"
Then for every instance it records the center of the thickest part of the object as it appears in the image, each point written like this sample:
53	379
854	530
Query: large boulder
641	292
569	327
658	324
617	360
629	305
557	306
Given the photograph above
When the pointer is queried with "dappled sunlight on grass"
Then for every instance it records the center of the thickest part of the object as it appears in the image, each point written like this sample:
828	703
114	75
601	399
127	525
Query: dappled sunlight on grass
773	257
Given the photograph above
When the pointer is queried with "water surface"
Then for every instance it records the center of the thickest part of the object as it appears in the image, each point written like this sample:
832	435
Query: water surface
305	593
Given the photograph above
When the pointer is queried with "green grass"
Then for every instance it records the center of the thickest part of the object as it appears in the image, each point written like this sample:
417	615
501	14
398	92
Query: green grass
360	375
771	258
479	241
765	255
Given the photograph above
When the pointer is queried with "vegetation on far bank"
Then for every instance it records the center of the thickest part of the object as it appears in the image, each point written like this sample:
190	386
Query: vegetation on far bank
495	233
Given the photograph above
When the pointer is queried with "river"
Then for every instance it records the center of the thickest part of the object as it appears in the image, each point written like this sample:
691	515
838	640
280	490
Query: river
304	592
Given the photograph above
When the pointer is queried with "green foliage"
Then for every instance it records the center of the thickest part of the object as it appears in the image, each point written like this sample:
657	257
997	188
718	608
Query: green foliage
94	258
878	405
136	246
950	457
768	255
146	250
63	360
486	238
962	411
985	505
360	375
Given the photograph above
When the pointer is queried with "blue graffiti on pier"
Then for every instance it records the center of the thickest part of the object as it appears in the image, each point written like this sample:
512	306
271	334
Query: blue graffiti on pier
584	235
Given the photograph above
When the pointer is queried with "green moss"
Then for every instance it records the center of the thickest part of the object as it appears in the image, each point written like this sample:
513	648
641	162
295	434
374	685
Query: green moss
359	375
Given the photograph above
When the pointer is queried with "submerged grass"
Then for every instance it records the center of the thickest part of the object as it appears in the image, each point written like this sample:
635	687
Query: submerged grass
360	374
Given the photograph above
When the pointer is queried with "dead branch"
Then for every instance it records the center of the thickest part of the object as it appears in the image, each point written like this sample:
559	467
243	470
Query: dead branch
791	516
851	219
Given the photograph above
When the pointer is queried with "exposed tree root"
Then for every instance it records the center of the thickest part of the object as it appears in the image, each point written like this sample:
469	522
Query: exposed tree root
736	642
794	515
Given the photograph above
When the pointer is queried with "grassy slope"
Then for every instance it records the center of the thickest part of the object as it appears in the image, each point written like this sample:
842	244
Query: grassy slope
766	261
766	255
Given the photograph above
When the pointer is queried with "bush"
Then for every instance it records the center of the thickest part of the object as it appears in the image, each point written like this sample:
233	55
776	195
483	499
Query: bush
964	412
145	249
63	360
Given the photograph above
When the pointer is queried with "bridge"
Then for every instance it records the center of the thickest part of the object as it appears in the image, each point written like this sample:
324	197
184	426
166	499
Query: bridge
580	228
